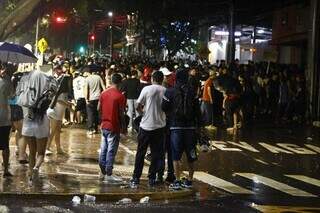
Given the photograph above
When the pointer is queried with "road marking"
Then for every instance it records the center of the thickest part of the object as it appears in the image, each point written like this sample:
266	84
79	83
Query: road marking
296	149
276	185
222	146
220	183
313	147
244	145
283	209
261	161
306	179
274	149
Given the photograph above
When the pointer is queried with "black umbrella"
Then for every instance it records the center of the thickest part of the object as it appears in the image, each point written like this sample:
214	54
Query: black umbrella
16	54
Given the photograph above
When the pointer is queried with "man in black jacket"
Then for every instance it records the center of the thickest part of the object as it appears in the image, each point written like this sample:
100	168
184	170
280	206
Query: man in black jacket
182	105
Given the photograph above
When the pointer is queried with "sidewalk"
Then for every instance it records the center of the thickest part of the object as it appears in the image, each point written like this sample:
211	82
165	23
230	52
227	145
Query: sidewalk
77	173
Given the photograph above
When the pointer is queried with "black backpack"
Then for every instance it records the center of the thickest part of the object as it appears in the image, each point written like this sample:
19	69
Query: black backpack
184	109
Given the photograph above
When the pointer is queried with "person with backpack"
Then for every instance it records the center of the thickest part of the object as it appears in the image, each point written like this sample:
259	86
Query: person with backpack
182	105
35	92
152	130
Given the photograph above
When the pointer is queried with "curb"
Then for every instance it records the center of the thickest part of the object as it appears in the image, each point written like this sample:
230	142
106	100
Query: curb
101	197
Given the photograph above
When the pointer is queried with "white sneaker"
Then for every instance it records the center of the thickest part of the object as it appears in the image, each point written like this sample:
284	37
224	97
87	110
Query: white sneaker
204	148
49	152
112	179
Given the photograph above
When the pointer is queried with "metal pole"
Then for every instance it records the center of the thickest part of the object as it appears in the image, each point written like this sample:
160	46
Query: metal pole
93	42
37	37
231	42
111	40
313	71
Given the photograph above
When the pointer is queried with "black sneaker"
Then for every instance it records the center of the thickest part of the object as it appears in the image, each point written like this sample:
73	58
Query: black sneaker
176	185
7	175
170	178
151	183
159	180
134	183
186	184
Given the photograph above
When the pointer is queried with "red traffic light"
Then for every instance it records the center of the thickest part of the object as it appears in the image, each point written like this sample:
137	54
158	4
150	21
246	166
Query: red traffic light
61	20
92	37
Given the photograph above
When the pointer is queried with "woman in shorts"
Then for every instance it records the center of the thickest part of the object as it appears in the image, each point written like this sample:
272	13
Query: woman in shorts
56	114
17	119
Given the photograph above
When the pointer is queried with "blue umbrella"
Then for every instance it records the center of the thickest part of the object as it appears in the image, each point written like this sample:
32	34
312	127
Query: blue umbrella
16	54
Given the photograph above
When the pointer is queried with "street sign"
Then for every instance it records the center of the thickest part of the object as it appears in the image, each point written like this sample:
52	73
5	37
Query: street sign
42	45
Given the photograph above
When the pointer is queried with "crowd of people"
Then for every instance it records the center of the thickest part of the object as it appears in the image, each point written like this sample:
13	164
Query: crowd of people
167	104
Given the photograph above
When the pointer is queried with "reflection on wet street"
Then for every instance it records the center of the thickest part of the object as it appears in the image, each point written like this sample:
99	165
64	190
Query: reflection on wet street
75	172
259	168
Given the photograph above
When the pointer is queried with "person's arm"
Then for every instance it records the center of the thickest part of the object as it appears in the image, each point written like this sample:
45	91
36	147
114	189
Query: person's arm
166	103
86	91
122	116
210	94
103	86
141	102
99	106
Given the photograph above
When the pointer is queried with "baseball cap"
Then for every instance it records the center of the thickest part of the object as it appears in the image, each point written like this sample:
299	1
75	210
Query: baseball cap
165	71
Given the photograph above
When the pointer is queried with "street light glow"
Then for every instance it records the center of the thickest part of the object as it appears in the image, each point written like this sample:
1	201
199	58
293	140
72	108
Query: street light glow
110	14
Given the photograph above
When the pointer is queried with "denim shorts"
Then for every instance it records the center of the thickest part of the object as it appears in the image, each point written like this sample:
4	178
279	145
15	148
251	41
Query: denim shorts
183	140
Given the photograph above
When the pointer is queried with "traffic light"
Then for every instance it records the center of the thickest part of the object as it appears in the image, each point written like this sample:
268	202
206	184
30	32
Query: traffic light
93	37
61	20
81	50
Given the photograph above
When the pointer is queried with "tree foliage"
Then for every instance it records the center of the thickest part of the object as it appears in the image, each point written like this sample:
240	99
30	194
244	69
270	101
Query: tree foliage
15	13
175	36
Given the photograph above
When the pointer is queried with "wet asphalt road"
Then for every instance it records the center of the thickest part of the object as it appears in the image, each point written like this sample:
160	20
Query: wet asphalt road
264	168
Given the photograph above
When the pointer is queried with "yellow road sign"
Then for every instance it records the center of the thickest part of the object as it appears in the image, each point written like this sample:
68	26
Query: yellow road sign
42	45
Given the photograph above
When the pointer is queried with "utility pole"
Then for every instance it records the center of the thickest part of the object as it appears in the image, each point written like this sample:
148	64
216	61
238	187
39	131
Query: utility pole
110	14
313	71
37	37
111	40
231	42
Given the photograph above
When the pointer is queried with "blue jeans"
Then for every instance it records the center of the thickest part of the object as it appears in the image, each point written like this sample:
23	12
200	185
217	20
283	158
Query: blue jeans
132	110
108	151
206	109
183	140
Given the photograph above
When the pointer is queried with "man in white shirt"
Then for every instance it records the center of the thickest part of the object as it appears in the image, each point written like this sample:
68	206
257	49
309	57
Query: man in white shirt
93	87
151	132
80	101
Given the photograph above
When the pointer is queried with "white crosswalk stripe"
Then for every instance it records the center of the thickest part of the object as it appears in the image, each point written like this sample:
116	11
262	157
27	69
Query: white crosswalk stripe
276	185
220	183
305	179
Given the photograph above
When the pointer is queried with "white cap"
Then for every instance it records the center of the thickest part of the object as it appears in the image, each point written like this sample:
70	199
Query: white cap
112	66
165	71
